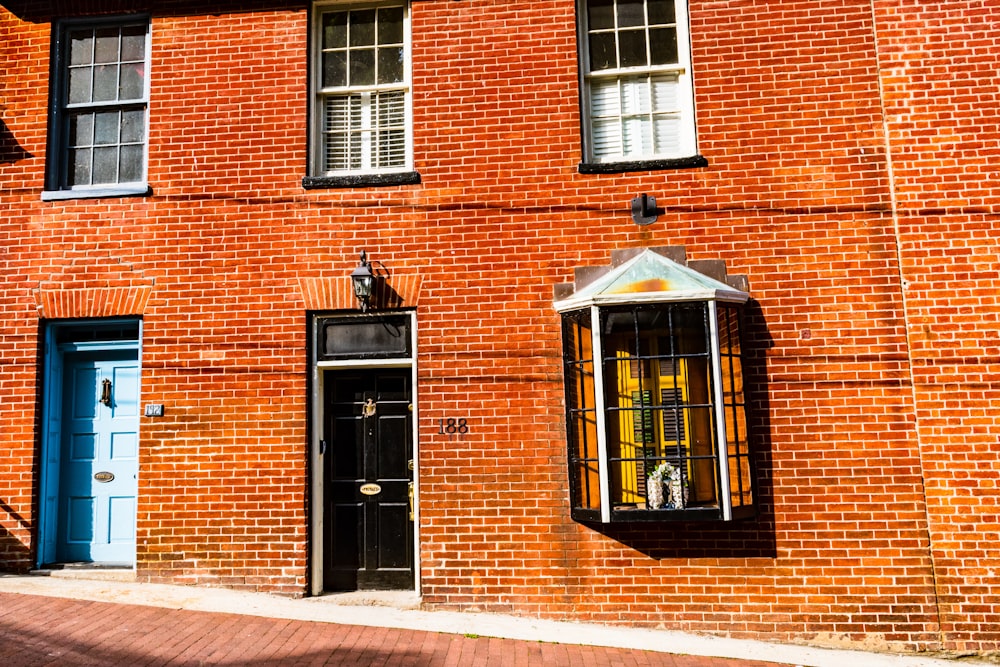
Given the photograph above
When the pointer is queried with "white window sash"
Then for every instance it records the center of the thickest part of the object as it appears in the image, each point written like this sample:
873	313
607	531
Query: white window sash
369	151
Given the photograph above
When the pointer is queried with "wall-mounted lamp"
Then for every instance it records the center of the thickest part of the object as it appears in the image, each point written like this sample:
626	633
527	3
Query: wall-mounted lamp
364	282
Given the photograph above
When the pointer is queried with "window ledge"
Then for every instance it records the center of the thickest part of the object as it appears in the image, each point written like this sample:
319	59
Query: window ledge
360	180
138	190
692	162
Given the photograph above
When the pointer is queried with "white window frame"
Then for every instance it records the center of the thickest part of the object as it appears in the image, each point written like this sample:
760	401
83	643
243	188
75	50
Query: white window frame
319	95
59	183
686	139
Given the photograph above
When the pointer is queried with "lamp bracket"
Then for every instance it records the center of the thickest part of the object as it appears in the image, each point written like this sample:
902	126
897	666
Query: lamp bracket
644	210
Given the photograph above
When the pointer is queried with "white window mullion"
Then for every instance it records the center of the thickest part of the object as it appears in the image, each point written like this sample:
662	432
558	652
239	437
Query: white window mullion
603	463
718	414
365	130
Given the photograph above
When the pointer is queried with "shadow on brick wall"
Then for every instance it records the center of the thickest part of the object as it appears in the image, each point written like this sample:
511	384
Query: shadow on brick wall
747	538
15	556
10	149
44	11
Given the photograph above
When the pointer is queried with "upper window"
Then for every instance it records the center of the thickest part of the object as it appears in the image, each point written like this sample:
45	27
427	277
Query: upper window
361	101
637	81
100	95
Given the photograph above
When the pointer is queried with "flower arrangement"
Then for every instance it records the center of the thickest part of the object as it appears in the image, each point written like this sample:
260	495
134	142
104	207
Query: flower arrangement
666	477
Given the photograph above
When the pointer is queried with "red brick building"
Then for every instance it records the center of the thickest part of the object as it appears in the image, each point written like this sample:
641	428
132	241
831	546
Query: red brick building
808	353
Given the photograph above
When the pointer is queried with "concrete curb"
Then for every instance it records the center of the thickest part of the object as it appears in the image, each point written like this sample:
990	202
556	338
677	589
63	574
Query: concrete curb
368	611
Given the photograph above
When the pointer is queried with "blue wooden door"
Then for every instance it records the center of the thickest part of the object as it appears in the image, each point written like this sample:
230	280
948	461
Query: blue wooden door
99	457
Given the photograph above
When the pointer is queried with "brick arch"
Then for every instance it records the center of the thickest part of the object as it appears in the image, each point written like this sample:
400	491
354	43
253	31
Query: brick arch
397	291
54	302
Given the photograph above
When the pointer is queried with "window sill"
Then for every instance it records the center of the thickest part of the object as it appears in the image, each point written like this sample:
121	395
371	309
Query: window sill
138	190
693	162
360	180
637	515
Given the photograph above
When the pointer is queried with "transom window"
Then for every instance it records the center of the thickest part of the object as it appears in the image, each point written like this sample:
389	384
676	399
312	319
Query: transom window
98	133
656	416
637	80
362	90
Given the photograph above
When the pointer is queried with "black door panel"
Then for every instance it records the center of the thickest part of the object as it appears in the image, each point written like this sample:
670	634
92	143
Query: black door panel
369	529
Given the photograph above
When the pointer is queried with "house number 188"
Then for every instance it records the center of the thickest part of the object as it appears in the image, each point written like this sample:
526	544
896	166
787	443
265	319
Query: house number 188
452	426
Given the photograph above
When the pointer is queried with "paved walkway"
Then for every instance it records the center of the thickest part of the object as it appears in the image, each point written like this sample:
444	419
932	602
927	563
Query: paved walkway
58	621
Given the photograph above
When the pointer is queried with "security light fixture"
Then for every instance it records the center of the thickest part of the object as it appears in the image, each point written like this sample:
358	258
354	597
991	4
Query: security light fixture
364	282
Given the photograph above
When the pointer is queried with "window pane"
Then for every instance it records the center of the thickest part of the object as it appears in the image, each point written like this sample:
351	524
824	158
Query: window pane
666	135
605	98
390	65
637	137
383	337
80	159
130	87
133	43
362	30
601	14
362	67
603	53
105	83
106	165
334	69
635	96
131	164
106	45
661	12
80	85
390	25
663	46
133	126
666	90
106	128
81	130
81	49
335	30
631	13
632	48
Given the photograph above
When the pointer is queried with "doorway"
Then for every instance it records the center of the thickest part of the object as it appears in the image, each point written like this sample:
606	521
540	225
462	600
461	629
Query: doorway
368	477
91	444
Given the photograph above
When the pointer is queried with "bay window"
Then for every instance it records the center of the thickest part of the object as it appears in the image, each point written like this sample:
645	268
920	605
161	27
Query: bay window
656	416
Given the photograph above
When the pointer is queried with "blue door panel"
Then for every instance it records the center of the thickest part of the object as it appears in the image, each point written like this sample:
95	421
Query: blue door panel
99	457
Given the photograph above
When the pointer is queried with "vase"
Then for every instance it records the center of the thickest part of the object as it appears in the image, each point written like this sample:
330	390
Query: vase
654	493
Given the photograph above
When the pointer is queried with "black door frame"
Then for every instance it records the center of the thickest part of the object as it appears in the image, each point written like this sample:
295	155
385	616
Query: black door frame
322	371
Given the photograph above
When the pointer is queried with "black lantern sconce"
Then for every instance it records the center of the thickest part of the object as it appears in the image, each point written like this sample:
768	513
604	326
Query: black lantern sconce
363	279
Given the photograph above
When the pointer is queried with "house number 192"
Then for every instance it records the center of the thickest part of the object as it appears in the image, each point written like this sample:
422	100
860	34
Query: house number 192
452	426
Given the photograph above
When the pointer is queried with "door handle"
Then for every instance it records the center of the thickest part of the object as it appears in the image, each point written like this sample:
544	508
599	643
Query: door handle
409	493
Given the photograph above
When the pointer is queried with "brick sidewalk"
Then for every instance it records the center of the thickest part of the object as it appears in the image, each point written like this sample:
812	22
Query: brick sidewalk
36	630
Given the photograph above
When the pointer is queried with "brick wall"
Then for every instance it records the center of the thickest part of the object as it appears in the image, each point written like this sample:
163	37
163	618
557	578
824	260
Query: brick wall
872	376
941	111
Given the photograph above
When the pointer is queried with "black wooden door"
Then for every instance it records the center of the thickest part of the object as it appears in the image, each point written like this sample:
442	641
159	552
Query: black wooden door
369	473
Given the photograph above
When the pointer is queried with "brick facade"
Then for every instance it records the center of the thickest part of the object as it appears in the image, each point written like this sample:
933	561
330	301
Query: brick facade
851	151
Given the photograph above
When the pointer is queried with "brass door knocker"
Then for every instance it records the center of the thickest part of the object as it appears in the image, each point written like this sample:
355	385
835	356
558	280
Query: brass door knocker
106	392
369	408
